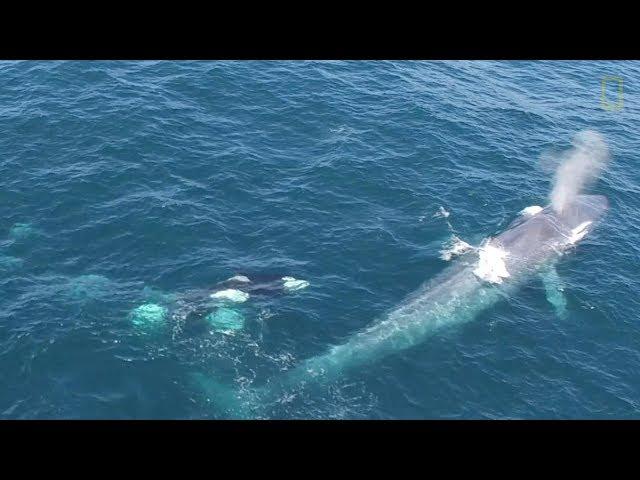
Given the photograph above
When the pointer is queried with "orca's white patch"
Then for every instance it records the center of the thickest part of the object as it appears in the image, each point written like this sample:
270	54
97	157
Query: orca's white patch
491	266
291	283
579	232
531	211
231	294
239	278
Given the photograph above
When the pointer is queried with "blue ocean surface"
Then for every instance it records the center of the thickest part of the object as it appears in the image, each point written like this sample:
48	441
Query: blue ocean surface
145	184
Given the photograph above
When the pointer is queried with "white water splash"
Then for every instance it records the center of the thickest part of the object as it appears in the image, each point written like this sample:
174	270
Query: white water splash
491	266
454	247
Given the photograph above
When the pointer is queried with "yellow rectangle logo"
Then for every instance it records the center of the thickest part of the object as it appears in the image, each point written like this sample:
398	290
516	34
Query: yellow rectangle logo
606	104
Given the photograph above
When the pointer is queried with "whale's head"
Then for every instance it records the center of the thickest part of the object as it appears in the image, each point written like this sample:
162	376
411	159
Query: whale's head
534	237
584	209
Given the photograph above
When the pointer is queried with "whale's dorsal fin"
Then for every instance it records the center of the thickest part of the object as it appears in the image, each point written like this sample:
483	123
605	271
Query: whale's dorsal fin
554	289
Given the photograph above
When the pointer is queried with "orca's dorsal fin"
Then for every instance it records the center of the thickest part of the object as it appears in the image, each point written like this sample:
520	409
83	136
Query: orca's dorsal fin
554	290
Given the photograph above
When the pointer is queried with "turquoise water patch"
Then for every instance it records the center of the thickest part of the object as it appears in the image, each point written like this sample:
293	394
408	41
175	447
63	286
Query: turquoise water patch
148	315
20	231
8	263
89	287
154	295
226	319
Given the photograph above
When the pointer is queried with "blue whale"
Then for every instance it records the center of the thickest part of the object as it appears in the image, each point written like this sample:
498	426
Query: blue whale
531	245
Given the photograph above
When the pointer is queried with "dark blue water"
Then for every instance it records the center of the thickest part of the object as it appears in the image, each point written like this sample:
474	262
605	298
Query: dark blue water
125	183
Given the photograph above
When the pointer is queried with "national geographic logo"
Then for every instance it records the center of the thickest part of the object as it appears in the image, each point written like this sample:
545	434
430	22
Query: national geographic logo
614	84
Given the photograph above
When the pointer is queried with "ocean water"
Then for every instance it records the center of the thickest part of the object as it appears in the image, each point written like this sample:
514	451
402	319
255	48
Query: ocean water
128	183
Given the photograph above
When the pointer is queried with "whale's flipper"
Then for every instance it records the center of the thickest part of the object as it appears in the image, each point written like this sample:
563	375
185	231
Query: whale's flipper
554	289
